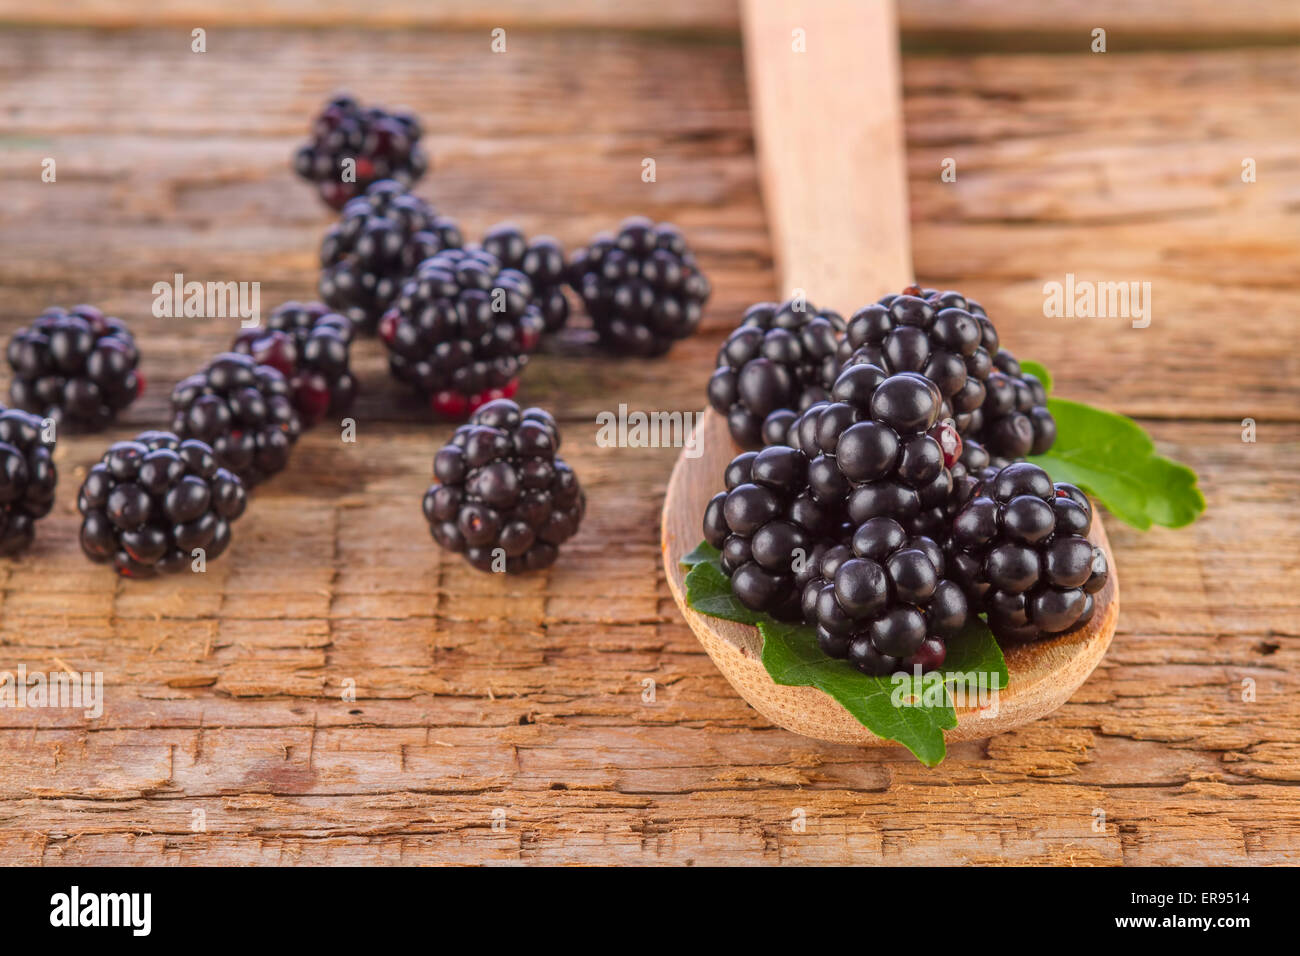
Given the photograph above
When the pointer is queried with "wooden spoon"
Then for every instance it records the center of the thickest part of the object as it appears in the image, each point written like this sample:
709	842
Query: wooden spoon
829	130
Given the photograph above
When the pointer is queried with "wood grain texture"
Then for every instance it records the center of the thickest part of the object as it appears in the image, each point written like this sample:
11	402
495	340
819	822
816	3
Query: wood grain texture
224	694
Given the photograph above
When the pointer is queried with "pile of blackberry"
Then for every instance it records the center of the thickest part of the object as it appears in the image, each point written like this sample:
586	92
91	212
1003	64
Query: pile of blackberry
778	362
27	478
853	495
1019	549
542	260
461	330
76	367
504	499
243	410
641	287
377	243
950	340
150	502
309	345
385	145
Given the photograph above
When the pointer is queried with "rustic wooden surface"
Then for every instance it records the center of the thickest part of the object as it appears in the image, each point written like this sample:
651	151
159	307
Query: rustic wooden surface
478	694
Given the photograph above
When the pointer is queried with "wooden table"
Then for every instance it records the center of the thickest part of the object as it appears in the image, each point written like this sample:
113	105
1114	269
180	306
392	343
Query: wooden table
508	720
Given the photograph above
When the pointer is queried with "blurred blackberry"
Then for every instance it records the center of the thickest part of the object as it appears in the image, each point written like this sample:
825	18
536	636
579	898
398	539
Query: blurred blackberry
385	145
502	486
76	366
461	330
882	600
243	410
377	243
778	362
878	448
1019	549
27	478
542	260
640	286
309	346
767	518
150	502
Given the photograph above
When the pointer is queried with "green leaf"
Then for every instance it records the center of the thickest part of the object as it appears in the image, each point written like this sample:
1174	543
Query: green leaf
703	552
1038	371
708	591
792	657
1113	459
975	651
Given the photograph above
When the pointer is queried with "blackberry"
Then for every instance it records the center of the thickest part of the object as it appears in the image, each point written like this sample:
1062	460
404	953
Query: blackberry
882	600
243	410
778	362
150	502
1014	420
27	478
309	345
384	145
542	260
950	340
641	287
502	486
878	448
76	366
377	242
1019	549
766	524
461	330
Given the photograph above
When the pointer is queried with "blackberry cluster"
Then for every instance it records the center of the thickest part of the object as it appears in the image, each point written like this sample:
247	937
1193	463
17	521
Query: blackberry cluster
950	340
502	486
27	478
1019	549
766	517
76	366
882	600
542	260
778	362
243	410
150	502
309	346
879	448
641	287
385	145
461	330
378	241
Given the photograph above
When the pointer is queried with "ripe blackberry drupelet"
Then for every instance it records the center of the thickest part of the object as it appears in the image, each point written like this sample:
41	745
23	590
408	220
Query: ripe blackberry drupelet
778	362
542	260
150	502
765	519
461	330
243	410
377	243
504	499
641	287
878	449
309	345
77	367
27	478
1019	549
950	340
882	600
384	145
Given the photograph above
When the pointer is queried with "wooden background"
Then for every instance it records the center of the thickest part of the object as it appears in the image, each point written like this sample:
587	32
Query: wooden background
524	696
